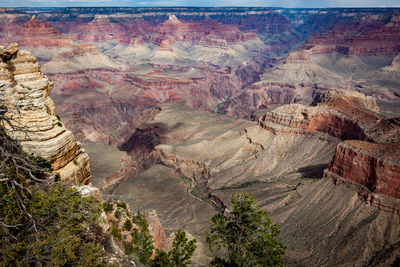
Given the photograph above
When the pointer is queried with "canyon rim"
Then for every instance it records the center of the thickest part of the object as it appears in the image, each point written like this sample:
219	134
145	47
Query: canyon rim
180	107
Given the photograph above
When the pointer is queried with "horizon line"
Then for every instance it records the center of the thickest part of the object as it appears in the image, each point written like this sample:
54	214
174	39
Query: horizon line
275	7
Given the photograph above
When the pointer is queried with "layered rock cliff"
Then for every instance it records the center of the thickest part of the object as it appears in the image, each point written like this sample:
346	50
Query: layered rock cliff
368	160
340	113
25	93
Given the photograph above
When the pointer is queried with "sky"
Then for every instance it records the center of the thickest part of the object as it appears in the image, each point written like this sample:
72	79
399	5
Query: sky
206	3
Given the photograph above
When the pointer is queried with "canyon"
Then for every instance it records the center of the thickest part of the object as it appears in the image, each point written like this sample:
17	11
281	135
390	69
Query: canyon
178	108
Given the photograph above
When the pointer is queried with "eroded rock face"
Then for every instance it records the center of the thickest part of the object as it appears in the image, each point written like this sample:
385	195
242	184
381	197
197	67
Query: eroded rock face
159	236
340	113
365	34
375	166
25	92
369	158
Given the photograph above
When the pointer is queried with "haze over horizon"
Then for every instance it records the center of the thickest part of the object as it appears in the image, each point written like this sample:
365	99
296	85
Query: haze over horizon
204	3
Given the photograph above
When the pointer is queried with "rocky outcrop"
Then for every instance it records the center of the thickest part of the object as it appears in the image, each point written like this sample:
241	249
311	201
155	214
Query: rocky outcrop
25	92
45	35
374	166
208	33
370	168
156	230
300	56
368	160
80	56
339	113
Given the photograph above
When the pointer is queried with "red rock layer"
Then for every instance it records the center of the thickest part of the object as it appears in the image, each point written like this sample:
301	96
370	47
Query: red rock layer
100	29
208	33
35	27
333	124
342	114
298	57
370	158
44	35
365	35
376	166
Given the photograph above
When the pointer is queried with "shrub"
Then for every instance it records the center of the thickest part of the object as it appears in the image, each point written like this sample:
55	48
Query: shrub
41	223
108	207
115	232
128	225
180	255
142	240
117	214
121	204
54	235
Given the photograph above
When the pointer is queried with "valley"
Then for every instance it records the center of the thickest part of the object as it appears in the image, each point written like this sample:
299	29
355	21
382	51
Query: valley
178	108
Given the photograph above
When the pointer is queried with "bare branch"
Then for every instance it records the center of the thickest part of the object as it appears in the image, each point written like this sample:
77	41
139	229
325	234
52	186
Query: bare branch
9	226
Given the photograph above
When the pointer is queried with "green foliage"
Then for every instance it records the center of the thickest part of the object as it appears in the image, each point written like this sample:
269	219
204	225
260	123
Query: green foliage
115	232
42	223
57	177
142	241
180	255
59	124
54	233
182	249
246	234
117	214
161	259
121	204
40	162
218	107
142	246
108	207
128	225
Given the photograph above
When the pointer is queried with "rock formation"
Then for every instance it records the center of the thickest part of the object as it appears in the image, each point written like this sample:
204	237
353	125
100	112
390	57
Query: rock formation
25	93
369	158
340	113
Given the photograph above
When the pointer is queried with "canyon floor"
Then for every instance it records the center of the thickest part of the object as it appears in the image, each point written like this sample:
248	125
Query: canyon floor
201	158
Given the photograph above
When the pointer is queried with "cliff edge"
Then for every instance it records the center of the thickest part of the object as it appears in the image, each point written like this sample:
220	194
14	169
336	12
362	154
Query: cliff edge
24	90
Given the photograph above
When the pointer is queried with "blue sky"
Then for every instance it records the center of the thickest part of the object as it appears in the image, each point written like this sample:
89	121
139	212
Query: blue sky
266	3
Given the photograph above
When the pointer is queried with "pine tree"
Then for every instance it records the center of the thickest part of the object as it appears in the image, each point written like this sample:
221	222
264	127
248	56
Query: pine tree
180	255
142	240
247	234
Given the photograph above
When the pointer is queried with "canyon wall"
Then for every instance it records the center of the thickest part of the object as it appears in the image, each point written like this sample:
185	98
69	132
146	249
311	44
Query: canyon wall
235	61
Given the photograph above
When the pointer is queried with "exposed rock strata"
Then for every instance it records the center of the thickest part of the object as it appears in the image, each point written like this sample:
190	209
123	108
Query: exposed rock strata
368	159
25	91
222	156
342	114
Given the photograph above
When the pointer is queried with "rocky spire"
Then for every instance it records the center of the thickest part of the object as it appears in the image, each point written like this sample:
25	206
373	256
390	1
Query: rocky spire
24	90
